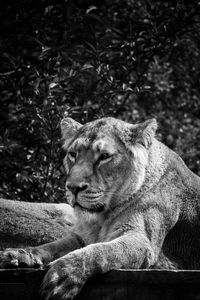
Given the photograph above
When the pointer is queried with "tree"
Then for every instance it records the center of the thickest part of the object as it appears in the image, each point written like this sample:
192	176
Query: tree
129	59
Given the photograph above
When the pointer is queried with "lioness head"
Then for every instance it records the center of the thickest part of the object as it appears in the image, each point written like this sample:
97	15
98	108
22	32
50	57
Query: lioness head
105	161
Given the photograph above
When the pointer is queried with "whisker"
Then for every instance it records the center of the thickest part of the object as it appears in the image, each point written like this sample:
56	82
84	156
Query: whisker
117	194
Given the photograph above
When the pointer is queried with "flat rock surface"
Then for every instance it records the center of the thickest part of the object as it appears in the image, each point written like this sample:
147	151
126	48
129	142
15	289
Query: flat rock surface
116	285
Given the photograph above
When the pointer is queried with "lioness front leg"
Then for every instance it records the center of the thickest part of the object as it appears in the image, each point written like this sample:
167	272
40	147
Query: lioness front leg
68	274
41	255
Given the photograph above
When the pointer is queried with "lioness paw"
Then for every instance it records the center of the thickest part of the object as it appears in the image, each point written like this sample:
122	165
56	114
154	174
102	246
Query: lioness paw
12	258
65	278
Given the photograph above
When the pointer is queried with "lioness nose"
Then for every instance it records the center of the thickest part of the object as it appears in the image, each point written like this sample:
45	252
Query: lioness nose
75	189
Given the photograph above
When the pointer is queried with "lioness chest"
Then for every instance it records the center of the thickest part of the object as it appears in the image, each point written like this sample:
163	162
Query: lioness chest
102	228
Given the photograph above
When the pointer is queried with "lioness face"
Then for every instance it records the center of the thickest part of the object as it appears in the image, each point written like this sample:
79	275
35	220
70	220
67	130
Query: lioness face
101	163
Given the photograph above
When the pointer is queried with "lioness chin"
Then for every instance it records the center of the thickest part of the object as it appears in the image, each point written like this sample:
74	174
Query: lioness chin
136	204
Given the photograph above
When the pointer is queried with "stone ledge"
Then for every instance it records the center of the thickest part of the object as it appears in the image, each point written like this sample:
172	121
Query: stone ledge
24	284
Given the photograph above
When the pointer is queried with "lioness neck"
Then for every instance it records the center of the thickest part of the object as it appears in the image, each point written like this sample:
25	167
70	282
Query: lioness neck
167	166
157	165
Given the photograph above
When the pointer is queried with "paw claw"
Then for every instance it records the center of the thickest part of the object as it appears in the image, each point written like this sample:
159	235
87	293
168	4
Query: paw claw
19	258
14	262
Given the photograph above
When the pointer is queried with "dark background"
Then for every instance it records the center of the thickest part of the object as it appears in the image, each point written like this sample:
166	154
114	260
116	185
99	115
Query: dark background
128	59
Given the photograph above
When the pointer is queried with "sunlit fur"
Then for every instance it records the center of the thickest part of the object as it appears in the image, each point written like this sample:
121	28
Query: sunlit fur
140	162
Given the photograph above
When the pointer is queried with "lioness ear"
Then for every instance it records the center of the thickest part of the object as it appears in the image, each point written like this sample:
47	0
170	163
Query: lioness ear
69	128
145	132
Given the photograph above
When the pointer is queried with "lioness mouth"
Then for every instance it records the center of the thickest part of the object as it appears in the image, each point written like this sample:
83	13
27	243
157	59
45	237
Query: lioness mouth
96	209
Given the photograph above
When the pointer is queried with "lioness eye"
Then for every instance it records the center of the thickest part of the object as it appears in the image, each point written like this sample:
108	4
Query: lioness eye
72	154
104	156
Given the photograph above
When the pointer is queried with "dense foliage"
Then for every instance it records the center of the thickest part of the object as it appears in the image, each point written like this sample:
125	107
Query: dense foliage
125	58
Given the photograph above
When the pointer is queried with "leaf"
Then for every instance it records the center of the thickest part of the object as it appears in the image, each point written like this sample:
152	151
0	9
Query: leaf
91	8
87	66
52	85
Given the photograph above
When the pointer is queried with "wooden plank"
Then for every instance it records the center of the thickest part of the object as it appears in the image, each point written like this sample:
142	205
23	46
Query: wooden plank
24	284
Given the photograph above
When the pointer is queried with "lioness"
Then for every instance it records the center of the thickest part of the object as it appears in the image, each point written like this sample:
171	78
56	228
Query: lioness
136	203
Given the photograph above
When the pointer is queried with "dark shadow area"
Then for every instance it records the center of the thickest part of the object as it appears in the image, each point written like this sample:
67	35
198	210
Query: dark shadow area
24	284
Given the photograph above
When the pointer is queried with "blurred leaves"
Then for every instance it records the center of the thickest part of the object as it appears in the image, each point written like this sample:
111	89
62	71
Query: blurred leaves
129	59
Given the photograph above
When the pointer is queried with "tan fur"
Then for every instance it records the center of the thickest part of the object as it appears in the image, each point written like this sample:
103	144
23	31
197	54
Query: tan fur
136	203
